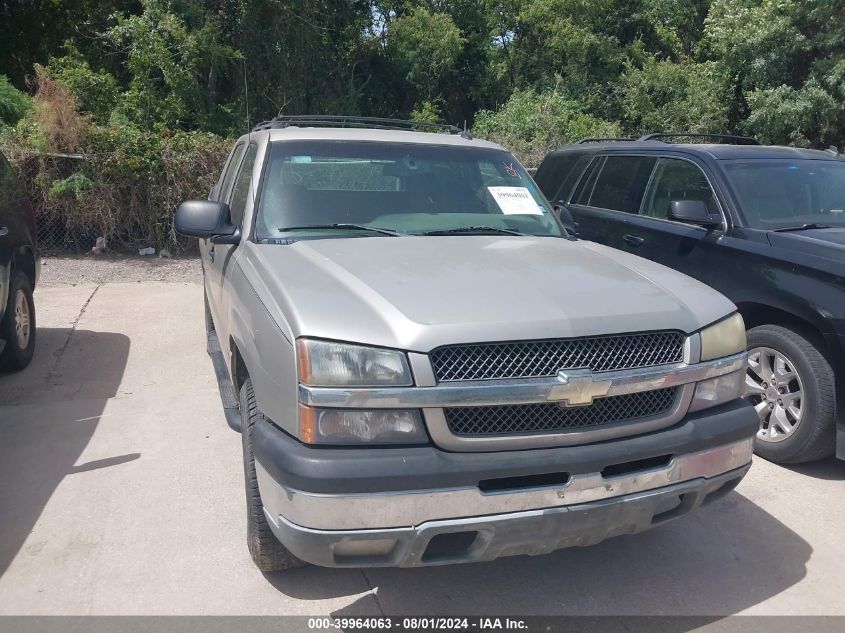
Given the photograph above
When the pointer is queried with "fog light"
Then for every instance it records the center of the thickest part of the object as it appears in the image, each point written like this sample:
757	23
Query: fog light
715	391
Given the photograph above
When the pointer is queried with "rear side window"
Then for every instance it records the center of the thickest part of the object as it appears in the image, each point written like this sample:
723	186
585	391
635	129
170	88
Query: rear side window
553	171
620	184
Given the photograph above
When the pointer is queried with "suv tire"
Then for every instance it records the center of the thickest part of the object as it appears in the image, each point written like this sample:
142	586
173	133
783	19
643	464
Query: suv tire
18	326
266	550
813	436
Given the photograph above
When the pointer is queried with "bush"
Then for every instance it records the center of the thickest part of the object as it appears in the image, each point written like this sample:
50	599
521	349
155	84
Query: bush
531	124
664	95
114	180
14	104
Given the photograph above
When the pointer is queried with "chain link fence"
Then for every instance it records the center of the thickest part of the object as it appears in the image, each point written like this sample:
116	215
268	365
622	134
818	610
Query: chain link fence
124	198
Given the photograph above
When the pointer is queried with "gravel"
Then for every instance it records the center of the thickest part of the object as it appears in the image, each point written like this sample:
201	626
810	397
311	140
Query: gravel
116	268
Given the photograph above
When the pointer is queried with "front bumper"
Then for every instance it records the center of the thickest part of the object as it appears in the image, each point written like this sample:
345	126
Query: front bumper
421	505
474	539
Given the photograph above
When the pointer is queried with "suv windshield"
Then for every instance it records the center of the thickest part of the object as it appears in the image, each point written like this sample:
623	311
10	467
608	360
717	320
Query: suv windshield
778	194
341	188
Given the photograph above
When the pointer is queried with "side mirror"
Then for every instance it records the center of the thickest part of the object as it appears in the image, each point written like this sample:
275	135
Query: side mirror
565	216
693	212
204	219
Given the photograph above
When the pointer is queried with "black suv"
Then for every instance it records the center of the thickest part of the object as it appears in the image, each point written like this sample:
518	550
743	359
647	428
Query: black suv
763	225
19	267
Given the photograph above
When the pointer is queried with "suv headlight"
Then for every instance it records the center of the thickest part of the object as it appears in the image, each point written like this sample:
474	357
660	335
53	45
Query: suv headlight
331	364
725	338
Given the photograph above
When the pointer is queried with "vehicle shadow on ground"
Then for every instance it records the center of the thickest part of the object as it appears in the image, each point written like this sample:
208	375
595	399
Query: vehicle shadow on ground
830	469
727	557
48	413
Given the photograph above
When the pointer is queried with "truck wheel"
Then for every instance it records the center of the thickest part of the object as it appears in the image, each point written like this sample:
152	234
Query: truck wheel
18	326
265	549
791	386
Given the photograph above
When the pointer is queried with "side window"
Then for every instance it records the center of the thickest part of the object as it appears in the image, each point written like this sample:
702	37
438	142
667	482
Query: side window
676	179
221	189
621	183
585	188
240	193
554	171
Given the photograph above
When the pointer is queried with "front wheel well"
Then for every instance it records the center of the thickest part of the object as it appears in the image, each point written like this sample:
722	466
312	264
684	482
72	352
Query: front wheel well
24	261
238	368
756	314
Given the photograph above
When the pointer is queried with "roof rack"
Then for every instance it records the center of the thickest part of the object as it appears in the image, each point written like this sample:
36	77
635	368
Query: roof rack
731	139
609	139
368	122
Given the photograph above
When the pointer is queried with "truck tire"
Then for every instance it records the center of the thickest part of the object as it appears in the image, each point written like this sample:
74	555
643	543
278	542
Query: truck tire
18	326
266	551
791	385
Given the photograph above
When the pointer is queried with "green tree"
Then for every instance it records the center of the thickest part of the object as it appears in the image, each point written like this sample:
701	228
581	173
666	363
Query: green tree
174	61
425	47
14	104
531	124
664	95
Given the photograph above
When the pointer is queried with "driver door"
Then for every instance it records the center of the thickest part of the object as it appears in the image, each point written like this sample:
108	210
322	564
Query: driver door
687	248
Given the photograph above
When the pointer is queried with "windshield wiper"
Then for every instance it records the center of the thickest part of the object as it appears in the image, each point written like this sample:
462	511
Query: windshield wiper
472	229
340	225
803	227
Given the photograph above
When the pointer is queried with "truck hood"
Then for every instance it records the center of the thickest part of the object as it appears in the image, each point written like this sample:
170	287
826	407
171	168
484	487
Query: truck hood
417	293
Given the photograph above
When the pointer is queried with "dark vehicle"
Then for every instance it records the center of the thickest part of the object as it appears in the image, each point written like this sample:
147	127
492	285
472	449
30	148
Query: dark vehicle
19	267
763	225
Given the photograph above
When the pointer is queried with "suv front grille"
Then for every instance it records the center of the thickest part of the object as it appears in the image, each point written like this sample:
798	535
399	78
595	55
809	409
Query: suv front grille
551	417
537	359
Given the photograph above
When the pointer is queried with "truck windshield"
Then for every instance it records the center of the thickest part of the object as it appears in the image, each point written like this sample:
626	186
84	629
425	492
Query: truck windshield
339	189
779	194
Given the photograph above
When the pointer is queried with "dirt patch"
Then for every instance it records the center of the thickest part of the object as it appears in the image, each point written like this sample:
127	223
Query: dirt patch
115	268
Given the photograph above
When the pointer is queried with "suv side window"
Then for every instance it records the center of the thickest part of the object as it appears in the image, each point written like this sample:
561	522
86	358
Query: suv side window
221	189
620	185
554	171
676	179
240	192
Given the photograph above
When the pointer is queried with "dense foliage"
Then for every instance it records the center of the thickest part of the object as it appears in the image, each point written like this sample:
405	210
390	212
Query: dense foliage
145	82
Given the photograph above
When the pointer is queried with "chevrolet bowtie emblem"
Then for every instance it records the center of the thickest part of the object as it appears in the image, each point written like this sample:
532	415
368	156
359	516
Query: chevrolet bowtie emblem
578	387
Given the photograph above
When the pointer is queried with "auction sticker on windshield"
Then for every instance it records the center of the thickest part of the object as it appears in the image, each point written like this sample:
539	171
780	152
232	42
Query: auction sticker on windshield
515	201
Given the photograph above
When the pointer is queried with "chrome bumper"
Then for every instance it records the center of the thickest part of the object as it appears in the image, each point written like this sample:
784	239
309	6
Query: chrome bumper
431	527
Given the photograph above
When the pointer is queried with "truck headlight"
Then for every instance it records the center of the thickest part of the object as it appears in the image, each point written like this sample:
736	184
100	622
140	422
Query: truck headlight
352	426
331	364
725	338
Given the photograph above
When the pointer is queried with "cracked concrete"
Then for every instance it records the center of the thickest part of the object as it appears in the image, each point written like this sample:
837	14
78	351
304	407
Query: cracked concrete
122	493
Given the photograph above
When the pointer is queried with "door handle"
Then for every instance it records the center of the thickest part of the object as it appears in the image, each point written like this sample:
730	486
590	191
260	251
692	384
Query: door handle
211	253
633	240
4	230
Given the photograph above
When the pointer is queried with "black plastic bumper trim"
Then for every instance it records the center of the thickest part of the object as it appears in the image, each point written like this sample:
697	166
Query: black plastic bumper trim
367	470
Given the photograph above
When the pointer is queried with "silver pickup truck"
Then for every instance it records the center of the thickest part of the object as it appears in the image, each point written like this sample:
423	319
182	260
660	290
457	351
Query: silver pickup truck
426	368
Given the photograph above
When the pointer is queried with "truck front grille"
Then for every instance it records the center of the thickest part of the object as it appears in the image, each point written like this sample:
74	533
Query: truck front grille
537	359
550	417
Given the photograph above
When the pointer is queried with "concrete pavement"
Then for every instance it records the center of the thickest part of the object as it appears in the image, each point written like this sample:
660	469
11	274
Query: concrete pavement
122	493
